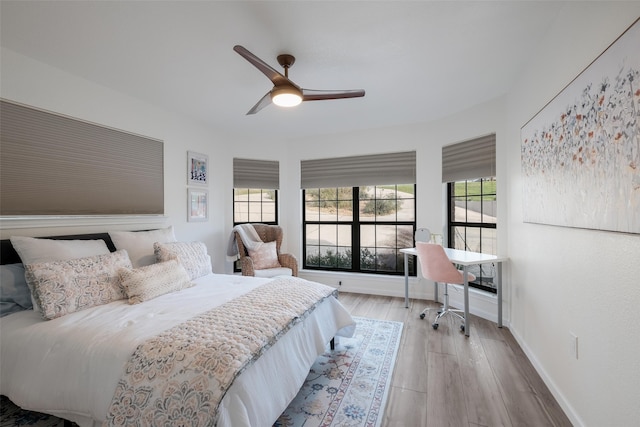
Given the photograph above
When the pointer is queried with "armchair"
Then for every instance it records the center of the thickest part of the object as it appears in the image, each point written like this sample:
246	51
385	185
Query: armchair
268	261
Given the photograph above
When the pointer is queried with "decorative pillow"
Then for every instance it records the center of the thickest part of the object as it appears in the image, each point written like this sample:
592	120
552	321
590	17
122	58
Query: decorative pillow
144	283
33	250
63	287
192	255
265	256
139	244
14	292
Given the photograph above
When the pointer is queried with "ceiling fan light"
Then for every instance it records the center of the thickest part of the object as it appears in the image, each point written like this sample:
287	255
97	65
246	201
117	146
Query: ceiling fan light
286	96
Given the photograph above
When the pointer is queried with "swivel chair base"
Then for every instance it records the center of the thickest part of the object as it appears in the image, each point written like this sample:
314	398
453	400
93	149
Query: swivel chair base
444	310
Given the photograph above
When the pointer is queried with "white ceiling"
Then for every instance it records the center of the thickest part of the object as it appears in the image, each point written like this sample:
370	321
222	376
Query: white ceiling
416	60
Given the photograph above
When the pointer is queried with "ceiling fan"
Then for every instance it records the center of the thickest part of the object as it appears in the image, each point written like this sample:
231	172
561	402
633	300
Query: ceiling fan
286	93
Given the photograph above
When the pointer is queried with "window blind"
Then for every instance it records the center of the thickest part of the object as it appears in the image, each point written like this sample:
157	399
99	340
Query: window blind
471	159
52	164
248	173
355	171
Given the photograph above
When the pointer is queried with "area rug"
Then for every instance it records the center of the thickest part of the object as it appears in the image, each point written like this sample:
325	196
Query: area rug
346	387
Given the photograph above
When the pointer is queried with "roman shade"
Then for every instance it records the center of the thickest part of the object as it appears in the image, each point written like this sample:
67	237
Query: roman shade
355	171
248	173
475	158
56	165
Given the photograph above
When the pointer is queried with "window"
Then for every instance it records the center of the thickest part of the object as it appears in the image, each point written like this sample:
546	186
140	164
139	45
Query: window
255	192
471	220
255	205
472	224
359	229
358	212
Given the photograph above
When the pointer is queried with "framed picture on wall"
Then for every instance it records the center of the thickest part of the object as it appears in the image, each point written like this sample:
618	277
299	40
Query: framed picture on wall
581	152
197	168
197	205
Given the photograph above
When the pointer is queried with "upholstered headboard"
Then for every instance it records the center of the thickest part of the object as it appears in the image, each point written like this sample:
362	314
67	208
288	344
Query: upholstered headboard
8	254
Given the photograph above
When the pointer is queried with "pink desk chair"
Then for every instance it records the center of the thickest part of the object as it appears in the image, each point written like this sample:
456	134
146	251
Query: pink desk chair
436	266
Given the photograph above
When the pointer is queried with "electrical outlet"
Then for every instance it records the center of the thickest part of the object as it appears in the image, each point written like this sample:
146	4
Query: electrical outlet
573	345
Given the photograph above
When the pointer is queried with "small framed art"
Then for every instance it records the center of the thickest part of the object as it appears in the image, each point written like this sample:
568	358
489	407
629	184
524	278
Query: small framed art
197	205
197	168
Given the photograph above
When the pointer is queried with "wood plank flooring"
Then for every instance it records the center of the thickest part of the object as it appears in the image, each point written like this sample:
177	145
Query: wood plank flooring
443	379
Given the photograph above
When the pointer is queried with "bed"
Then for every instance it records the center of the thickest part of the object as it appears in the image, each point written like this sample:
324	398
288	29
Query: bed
224	350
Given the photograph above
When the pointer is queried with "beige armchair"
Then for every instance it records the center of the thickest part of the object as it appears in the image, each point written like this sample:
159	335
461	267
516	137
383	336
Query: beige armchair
268	233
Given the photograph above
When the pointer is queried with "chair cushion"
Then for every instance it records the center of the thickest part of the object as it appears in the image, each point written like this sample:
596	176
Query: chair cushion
266	256
273	272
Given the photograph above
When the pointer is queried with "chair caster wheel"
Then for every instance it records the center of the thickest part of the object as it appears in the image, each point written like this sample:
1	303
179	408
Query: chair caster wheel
422	315
435	326
461	328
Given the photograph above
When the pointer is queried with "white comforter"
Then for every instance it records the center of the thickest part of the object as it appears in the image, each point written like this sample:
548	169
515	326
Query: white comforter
70	366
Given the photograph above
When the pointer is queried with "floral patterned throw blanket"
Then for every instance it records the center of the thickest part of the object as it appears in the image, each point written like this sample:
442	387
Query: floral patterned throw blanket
179	377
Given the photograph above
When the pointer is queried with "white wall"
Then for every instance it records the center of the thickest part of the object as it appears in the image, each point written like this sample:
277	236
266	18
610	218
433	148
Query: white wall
427	140
34	83
571	280
558	279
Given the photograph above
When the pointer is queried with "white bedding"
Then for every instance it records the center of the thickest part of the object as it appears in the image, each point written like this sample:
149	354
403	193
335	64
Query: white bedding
70	366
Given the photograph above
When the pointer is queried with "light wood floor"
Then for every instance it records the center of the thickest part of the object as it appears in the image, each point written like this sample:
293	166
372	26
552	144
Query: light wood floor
442	378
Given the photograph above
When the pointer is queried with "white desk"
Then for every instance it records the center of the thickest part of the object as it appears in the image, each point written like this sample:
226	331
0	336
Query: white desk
465	259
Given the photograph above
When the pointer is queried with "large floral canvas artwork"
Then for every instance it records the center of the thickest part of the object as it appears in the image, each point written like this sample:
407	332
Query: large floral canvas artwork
581	152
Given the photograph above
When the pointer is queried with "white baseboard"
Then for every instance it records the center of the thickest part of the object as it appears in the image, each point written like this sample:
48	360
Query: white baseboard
557	394
482	304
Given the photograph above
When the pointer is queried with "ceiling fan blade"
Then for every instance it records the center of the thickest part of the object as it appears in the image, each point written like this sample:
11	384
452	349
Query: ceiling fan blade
319	95
264	101
273	75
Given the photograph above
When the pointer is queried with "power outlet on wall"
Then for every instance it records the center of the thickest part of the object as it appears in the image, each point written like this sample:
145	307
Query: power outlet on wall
573	345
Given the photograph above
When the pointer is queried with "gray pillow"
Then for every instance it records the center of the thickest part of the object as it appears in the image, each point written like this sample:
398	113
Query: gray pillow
14	292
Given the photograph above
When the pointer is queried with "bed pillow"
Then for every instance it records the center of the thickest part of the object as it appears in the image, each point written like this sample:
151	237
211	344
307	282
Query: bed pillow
14	292
35	250
151	281
266	256
63	287
139	244
192	255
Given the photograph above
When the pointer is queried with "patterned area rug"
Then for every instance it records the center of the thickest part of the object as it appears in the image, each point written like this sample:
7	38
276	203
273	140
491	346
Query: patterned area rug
346	387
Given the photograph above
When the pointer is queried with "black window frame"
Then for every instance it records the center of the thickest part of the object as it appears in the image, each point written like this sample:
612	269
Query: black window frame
275	201
236	267
356	222
482	282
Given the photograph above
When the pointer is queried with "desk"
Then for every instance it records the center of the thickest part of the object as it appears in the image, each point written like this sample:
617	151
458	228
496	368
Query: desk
465	259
